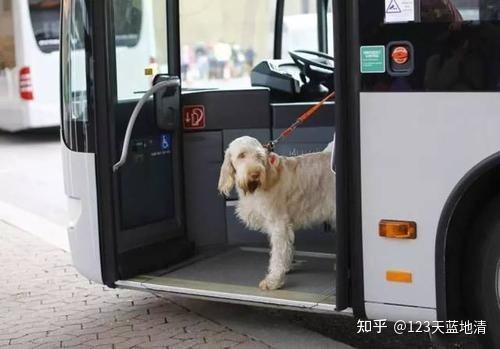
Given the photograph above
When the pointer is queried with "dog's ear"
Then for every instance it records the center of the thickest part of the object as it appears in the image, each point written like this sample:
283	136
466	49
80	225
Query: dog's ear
273	159
226	178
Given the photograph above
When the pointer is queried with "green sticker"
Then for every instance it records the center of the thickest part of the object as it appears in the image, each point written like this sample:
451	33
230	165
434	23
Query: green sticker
372	59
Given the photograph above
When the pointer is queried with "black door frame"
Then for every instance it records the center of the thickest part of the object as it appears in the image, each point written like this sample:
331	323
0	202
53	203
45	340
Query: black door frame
101	101
350	287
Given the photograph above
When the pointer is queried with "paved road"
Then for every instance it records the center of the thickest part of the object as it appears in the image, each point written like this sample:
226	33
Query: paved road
33	160
46	304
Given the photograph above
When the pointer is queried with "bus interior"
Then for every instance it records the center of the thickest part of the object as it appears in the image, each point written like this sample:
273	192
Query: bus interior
173	231
228	260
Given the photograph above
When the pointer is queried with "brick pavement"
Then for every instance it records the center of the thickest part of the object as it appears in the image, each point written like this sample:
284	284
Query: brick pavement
45	303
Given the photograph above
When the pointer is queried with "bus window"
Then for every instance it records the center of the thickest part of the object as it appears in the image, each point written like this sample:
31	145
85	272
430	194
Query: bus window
457	10
44	16
75	112
7	48
141	43
300	26
222	40
469	9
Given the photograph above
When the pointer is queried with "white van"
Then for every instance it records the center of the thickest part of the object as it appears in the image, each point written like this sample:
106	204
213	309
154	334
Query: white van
29	59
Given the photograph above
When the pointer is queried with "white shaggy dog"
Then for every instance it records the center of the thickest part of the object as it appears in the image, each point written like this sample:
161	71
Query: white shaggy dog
278	195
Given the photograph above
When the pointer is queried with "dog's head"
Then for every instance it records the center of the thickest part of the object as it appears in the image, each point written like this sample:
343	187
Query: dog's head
248	165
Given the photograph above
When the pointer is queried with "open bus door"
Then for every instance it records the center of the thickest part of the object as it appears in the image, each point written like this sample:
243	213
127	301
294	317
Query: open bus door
129	227
144	231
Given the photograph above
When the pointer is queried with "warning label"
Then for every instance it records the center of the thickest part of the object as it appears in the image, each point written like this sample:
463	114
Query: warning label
193	117
397	11
393	7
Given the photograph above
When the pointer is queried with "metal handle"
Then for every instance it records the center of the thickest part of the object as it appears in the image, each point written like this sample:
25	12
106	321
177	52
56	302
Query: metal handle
128	134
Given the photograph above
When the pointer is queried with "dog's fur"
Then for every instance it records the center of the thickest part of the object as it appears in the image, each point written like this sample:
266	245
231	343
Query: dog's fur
278	195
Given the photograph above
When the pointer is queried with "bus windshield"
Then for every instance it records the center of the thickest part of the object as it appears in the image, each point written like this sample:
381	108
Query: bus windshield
45	21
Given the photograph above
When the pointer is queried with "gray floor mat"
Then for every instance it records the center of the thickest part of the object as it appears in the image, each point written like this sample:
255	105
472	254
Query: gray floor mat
239	272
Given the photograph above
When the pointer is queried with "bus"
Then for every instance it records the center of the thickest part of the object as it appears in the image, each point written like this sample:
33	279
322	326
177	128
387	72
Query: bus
29	59
415	121
29	53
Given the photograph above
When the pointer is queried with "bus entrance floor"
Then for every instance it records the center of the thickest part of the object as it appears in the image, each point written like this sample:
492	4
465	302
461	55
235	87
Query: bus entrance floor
45	303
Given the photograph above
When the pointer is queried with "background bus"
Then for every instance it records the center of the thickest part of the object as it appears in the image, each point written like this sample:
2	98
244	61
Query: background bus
29	52
29	59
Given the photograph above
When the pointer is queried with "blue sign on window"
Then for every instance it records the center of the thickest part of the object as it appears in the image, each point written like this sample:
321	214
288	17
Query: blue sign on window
165	141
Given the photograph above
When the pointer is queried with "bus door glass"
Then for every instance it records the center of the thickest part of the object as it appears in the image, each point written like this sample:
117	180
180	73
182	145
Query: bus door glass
75	118
140	40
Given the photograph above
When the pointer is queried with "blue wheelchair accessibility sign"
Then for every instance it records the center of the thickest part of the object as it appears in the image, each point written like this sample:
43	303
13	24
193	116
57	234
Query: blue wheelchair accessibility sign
165	142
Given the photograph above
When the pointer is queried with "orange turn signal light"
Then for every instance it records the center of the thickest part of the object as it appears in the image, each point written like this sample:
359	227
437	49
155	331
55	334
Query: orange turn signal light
397	229
398	276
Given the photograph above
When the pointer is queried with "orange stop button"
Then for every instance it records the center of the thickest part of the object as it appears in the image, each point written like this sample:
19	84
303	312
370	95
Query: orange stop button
400	55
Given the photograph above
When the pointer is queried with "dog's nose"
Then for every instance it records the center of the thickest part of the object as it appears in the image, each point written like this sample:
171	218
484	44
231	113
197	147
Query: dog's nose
254	175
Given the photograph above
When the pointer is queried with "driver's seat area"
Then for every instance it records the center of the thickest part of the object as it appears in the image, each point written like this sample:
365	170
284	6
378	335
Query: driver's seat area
307	77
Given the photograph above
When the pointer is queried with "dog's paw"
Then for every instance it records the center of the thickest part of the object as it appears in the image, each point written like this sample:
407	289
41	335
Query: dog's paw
270	283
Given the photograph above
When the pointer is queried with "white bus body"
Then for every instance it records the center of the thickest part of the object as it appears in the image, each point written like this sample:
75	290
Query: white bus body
417	153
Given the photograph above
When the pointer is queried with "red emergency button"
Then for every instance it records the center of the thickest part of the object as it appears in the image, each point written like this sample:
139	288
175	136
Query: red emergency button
400	55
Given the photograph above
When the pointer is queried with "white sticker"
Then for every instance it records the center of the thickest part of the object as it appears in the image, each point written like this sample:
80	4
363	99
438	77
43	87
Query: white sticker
399	11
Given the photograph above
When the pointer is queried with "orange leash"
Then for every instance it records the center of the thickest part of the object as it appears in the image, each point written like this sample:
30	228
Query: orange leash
301	119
